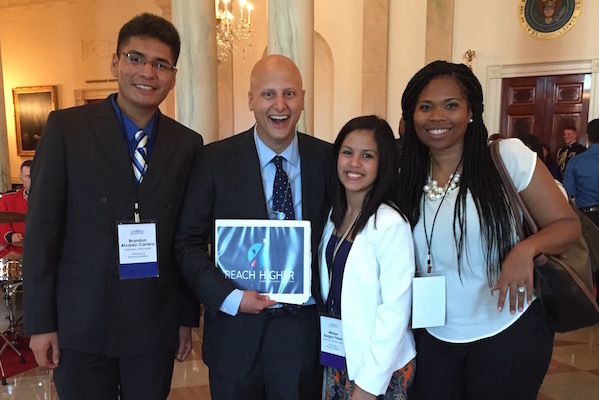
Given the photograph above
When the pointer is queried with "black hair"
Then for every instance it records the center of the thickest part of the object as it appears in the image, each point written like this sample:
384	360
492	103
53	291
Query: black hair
384	186
570	127
479	175
533	143
26	163
593	131
151	26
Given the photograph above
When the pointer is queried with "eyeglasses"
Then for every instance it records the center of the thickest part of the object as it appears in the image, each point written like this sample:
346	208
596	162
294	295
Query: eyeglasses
140	61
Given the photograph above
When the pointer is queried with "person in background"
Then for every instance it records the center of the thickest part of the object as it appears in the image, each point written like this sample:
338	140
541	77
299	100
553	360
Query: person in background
366	267
109	326
550	163
581	181
255	349
532	142
12	233
581	178
495	136
571	148
495	342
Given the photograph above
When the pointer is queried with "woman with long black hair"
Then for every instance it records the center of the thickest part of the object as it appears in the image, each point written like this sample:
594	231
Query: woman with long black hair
495	342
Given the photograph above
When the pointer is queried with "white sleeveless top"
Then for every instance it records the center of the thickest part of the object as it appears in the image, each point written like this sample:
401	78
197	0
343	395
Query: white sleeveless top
471	306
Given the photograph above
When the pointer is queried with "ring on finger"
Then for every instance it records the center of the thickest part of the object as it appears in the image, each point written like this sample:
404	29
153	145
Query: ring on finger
521	289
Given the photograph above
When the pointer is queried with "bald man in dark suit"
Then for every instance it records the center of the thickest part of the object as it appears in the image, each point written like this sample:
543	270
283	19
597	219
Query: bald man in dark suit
255	352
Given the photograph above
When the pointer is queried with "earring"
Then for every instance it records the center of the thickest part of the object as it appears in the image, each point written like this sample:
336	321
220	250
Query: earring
470	121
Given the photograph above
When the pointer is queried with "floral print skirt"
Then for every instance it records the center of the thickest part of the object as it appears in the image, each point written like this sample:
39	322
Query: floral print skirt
337	386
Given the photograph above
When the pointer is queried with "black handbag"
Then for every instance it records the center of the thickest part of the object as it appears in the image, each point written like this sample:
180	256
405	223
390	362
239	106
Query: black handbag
563	282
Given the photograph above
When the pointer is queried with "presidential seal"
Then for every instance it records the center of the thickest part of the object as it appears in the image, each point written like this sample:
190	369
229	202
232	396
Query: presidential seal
548	19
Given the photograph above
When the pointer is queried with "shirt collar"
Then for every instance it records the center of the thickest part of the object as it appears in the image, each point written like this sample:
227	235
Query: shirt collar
129	126
266	154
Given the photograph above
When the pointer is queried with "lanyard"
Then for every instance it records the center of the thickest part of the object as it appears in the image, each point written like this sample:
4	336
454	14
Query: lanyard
338	246
429	242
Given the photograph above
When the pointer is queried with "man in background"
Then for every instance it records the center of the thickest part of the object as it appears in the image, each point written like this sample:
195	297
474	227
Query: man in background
572	148
254	353
12	233
581	178
107	311
581	181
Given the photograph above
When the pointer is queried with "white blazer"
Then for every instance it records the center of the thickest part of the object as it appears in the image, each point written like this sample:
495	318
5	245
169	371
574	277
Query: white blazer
376	299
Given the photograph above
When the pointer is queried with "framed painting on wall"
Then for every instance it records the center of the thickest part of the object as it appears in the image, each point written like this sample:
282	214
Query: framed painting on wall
32	106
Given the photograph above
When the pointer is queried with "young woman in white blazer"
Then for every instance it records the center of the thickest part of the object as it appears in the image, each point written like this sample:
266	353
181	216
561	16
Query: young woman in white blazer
366	268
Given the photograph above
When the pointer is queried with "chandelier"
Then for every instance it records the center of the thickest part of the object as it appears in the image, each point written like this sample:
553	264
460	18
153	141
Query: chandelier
232	33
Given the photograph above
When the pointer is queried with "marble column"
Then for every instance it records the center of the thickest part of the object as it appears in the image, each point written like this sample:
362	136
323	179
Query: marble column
5	183
291	33
196	92
439	30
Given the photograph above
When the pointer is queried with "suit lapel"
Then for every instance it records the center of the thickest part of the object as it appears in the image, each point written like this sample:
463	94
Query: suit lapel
167	141
309	170
244	157
105	128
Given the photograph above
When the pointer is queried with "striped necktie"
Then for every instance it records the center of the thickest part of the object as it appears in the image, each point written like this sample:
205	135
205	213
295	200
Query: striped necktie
140	156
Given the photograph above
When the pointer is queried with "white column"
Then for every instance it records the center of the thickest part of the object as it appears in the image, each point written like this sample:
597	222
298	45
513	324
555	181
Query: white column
196	92
5	183
291	33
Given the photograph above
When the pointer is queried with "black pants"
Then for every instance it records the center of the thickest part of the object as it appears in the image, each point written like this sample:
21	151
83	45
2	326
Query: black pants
286	367
510	365
594	217
96	377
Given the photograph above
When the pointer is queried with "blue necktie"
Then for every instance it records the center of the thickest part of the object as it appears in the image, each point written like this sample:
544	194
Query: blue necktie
282	200
140	156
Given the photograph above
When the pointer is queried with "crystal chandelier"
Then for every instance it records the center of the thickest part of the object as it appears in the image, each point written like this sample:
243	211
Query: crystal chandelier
232	33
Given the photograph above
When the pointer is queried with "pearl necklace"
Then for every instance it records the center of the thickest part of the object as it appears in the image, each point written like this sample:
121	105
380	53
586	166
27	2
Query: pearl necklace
432	189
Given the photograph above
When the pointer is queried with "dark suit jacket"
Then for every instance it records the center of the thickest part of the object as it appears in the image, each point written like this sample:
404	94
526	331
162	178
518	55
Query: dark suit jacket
226	183
82	184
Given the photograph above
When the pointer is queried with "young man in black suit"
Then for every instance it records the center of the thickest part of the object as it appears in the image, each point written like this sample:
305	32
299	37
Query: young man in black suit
103	323
255	350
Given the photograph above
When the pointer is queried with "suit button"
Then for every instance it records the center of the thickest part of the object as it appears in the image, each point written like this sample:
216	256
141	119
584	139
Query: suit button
103	200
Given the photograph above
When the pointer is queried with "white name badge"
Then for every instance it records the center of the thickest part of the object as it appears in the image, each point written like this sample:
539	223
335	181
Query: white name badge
332	351
138	250
428	301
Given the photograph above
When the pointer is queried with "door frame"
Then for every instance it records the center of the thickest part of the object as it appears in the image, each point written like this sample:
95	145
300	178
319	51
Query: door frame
495	74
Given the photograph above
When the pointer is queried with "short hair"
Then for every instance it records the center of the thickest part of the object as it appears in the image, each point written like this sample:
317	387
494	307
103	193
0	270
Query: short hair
570	127
154	27
26	163
384	186
532	142
593	131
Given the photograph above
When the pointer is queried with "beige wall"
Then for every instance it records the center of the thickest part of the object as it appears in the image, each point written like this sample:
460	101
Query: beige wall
340	24
407	36
493	30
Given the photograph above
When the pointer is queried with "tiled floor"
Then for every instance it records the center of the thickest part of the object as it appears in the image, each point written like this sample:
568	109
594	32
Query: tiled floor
573	373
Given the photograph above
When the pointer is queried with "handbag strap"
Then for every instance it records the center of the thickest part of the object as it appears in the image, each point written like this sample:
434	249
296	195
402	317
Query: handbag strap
526	226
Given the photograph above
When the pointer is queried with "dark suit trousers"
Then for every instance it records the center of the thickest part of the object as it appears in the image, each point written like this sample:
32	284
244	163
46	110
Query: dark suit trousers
287	366
96	377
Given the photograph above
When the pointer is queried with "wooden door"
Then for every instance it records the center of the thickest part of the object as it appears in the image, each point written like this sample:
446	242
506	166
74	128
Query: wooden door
544	105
